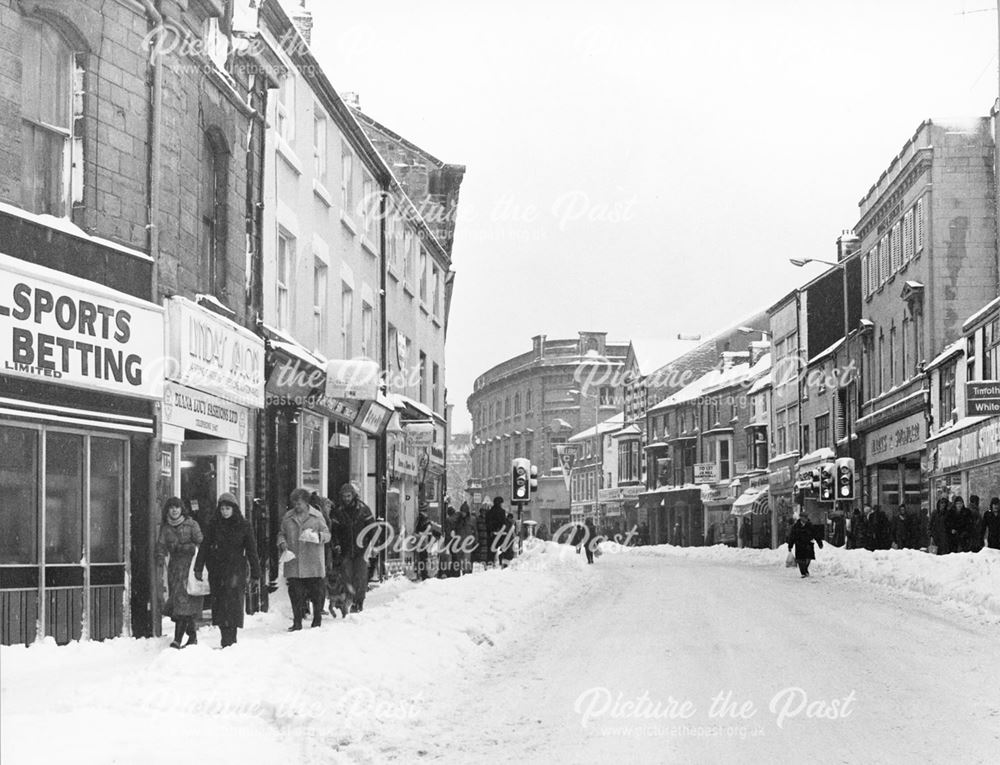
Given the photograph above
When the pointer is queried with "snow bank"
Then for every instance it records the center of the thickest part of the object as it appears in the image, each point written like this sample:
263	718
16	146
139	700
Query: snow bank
971	579
319	695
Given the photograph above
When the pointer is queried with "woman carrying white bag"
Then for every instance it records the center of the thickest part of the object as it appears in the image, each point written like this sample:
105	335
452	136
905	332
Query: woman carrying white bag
177	544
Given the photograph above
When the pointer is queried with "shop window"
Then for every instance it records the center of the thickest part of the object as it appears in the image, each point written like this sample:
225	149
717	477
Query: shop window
63	498
312	451
19	489
51	121
107	500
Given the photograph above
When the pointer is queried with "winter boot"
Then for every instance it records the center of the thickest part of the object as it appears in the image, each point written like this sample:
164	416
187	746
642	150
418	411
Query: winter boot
192	632
178	634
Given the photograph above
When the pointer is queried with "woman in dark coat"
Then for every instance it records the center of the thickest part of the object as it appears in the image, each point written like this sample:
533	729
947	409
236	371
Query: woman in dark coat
939	531
506	539
228	548
176	545
800	541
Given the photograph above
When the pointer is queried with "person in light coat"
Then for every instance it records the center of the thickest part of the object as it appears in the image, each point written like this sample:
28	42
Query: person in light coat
304	533
176	545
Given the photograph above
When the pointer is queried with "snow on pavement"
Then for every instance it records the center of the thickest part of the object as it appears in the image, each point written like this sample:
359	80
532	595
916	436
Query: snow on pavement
539	663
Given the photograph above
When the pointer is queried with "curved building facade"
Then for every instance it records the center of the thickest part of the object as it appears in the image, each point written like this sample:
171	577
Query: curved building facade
528	405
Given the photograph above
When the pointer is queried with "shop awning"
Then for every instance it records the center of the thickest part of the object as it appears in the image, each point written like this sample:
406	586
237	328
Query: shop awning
751	501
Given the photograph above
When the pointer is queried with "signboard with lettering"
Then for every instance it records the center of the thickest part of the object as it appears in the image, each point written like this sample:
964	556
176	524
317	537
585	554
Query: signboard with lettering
609	495
62	329
706	472
567	454
970	446
356	379
404	464
373	418
212	354
896	440
195	410
982	397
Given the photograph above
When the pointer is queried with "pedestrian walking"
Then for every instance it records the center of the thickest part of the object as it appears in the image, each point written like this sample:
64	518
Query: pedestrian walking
940	527
974	539
904	530
228	549
422	532
853	528
446	544
483	553
961	519
989	528
800	543
177	544
354	522
496	519
506	540
304	533
839	536
881	529
591	540
465	539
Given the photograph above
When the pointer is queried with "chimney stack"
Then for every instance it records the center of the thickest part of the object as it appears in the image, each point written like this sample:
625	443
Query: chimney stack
303	21
538	346
847	244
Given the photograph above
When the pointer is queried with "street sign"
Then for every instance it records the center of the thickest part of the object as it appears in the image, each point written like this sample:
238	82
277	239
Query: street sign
982	397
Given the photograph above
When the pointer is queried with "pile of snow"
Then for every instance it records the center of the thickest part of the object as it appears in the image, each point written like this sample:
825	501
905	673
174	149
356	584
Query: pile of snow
971	579
319	695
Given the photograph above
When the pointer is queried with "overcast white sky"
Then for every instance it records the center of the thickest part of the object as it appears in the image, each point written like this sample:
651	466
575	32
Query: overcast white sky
728	137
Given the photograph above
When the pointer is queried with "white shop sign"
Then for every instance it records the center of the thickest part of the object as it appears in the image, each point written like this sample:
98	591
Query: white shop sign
63	329
706	472
404	464
215	355
194	410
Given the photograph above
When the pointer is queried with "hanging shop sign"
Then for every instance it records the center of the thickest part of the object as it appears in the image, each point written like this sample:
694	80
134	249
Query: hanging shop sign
212	354
404	464
355	379
896	440
419	433
373	418
62	329
195	410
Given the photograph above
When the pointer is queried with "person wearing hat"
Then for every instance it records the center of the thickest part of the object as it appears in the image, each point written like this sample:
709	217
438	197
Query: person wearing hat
304	533
176	546
354	524
229	547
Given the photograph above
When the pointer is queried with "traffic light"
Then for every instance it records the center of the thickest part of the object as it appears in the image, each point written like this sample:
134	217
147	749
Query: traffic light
520	486
845	478
533	480
827	492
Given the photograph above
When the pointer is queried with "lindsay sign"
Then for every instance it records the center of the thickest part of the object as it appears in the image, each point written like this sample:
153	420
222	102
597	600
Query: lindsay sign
214	355
63	329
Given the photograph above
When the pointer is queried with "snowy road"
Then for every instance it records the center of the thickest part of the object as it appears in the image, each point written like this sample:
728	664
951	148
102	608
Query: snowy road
920	685
552	661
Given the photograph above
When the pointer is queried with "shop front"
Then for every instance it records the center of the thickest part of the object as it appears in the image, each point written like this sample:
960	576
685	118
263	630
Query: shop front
752	509
80	370
965	460
781	478
895	458
213	394
675	515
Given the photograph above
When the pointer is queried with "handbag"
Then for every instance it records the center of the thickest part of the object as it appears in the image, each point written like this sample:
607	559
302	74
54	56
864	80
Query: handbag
790	560
195	586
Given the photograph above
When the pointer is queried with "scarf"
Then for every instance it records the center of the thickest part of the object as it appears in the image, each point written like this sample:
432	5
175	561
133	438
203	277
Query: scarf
178	522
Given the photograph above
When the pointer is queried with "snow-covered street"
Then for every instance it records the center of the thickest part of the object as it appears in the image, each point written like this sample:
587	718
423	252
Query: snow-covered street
651	655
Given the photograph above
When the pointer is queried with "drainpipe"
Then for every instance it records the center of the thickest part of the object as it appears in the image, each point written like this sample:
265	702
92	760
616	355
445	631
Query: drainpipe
153	241
381	456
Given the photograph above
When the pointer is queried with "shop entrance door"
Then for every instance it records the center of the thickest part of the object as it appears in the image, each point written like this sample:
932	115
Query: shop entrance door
209	468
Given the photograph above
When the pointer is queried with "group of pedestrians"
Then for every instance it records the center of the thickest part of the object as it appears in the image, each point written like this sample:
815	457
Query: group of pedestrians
322	546
463	539
223	542
957	527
